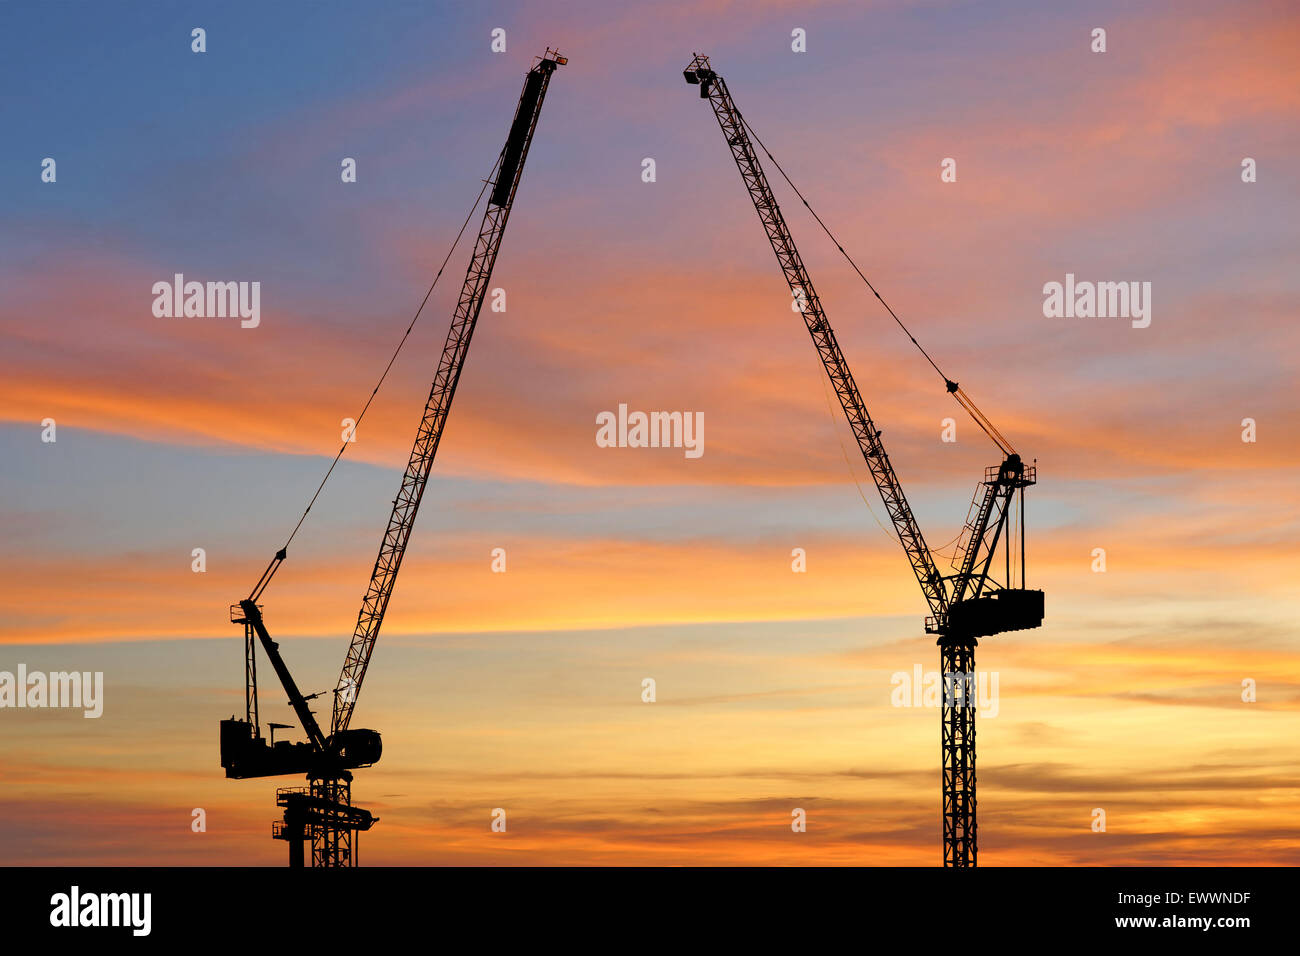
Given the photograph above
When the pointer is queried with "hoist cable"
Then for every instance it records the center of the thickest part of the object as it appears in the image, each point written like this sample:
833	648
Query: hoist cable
962	398
280	555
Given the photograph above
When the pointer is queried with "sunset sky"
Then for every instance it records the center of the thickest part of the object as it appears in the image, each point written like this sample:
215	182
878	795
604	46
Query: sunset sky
522	690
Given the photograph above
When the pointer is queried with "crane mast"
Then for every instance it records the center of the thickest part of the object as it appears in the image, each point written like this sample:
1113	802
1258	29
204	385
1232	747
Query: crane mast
959	614
323	811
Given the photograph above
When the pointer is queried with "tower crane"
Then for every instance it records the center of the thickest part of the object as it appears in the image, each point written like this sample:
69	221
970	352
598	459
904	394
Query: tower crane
322	812
964	606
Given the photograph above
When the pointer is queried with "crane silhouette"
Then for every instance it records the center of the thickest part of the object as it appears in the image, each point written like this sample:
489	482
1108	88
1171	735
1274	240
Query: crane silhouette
964	606
322	812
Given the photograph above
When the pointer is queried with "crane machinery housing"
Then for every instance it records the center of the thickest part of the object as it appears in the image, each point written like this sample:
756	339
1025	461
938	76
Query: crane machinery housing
964	606
322	812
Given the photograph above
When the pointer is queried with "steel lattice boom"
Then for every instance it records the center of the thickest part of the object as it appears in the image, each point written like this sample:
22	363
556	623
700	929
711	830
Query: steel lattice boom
416	476
714	88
